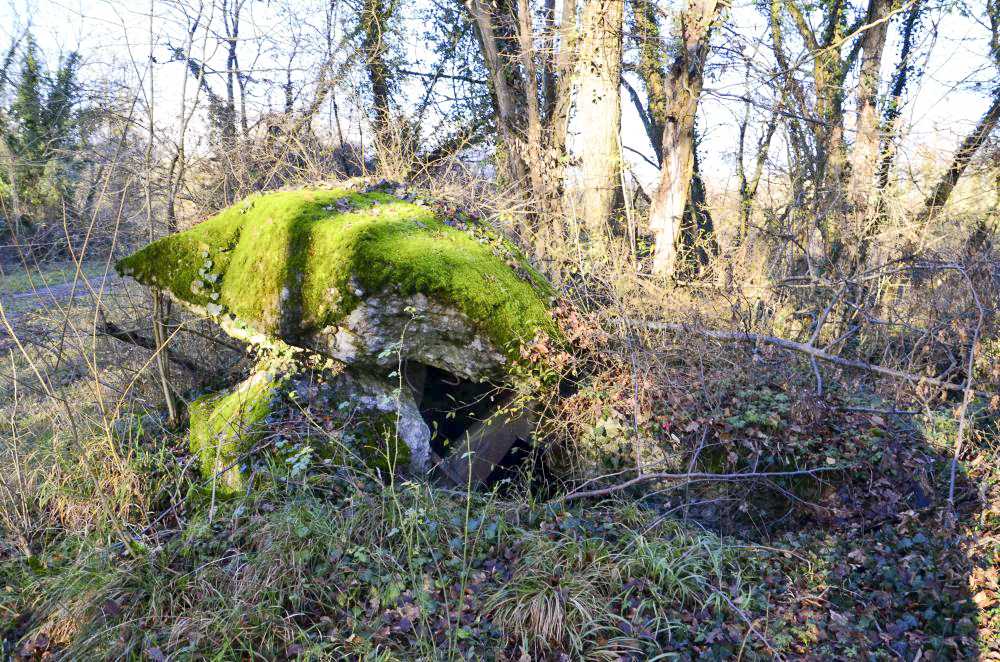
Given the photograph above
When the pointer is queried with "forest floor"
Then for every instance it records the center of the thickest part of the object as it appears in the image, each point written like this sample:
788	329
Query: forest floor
866	561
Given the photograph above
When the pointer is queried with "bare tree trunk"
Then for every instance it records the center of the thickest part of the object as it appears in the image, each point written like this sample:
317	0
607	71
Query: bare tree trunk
375	16
549	37
234	62
162	367
749	185
968	149
178	163
864	155
697	237
504	87
825	117
683	89
887	146
599	109
651	70
557	114
533	117
532	133
829	71
231	29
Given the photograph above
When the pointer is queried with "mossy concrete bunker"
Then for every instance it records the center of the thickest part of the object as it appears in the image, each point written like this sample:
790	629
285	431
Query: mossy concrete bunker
361	277
338	271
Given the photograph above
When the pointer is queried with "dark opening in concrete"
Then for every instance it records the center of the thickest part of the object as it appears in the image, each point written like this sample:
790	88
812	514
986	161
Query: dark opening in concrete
473	425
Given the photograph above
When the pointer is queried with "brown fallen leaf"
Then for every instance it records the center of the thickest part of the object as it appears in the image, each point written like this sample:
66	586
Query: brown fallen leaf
985	599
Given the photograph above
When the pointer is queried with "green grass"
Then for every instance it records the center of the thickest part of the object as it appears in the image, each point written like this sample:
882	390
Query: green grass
387	572
126	556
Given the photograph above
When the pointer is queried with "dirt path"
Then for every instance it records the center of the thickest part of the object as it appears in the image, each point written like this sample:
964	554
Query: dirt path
60	292
19	306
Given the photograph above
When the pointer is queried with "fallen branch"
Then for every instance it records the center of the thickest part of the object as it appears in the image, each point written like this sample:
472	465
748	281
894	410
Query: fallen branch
114	331
805	348
690	476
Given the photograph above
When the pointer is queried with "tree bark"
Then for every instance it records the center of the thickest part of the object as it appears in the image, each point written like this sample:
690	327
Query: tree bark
697	238
683	89
890	130
232	30
749	185
651	70
505	88
865	153
375	17
532	131
599	110
825	116
939	198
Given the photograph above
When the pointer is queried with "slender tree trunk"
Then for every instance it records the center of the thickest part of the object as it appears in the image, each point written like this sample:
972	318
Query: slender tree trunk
864	154
939	198
232	34
503	86
829	71
532	132
533	148
178	164
887	146
599	110
749	185
830	169
235	63
651	69
549	37
697	238
683	89
159	314
289	88
557	114
793	92
375	16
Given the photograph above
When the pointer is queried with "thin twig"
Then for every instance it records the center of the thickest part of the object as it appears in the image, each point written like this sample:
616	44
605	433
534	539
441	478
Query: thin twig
696	475
820	321
805	348
966	393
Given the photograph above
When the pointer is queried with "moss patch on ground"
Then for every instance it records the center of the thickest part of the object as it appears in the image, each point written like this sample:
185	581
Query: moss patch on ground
293	263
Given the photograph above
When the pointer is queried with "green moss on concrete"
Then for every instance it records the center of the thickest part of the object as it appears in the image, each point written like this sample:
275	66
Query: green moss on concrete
381	447
225	425
290	264
371	439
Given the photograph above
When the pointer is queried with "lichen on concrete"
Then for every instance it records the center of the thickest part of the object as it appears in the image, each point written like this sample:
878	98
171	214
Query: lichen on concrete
387	423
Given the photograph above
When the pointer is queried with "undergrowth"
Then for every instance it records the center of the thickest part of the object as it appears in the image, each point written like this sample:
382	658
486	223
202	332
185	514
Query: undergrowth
113	546
340	567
